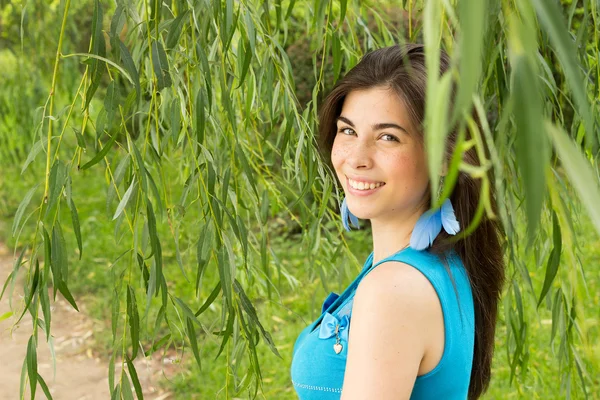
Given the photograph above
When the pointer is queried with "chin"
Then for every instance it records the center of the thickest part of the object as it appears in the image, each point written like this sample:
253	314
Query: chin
363	214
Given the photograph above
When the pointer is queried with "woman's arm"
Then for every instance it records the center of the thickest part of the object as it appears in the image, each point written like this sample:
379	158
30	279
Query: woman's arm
394	316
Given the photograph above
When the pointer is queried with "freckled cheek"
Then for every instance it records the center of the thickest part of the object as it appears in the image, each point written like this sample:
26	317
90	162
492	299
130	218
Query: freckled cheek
406	169
338	155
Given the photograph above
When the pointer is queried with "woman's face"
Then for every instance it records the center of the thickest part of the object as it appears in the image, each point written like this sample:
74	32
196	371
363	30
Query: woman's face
376	145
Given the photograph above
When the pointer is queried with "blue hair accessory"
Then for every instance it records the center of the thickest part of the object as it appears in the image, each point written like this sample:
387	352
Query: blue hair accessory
346	214
430	224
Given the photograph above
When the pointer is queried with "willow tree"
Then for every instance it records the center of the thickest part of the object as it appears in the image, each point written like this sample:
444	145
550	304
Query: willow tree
207	89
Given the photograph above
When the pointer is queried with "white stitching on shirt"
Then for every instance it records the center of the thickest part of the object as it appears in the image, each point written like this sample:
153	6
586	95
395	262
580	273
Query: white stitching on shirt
322	388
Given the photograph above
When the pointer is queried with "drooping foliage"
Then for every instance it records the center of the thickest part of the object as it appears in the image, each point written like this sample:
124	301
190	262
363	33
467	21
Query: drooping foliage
201	117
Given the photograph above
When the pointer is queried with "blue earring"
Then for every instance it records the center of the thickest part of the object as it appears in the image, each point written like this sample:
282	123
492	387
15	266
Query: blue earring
430	224
346	214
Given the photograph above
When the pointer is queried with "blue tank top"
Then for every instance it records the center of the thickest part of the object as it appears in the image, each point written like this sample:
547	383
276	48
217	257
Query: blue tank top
318	372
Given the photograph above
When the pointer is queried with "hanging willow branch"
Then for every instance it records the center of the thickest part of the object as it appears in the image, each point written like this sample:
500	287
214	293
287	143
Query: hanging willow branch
201	119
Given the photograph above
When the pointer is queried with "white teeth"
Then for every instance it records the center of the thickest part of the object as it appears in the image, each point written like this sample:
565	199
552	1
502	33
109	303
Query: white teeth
363	185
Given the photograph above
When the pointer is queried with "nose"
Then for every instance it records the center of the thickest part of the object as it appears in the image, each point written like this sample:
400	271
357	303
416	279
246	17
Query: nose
360	156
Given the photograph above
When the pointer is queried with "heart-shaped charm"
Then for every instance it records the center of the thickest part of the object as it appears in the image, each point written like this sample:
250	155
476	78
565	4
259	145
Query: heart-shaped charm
337	347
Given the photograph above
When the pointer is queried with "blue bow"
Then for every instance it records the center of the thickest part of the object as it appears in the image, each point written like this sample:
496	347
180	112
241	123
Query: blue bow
329	323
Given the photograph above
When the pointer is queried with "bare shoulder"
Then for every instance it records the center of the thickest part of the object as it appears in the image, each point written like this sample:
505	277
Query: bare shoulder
393	315
397	285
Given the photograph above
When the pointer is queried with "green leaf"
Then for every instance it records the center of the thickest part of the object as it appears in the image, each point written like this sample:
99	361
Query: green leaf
226	333
100	66
124	200
336	52
343	6
98	49
134	379
100	155
32	364
244	59
48	259
6	315
64	290
80	138
141	167
60	266
44	387
187	311
178	254
126	392
154	241
111	100
22	380
193	341
118	21
116	393
45	302
96	27
553	260
129	65
111	371
144	270
175	29
161	66
114	320
156	193
13	274
117	178
32	290
251	312
158	344
175	128
213	295
247	170
579	171
35	150
290	8
225	275
436	129
556	313
206	73
203	251
551	17
21	209
531	144
58	176
200	116
134	321
472	18
76	227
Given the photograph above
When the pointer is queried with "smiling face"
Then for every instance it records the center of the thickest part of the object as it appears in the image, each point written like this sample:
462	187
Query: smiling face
376	146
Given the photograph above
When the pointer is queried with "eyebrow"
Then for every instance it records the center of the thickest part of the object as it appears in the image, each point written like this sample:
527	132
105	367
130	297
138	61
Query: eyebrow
377	127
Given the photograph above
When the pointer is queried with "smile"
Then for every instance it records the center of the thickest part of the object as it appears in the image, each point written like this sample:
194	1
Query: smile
364	185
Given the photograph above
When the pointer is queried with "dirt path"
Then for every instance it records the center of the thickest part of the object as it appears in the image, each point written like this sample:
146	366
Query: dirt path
80	374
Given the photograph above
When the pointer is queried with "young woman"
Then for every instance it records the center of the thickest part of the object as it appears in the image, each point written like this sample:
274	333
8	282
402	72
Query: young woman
418	321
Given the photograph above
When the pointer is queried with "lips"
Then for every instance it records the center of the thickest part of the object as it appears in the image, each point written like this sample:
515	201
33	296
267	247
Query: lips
364	184
364	192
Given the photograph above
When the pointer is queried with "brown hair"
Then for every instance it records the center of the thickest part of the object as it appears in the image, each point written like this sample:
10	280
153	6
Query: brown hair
402	68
